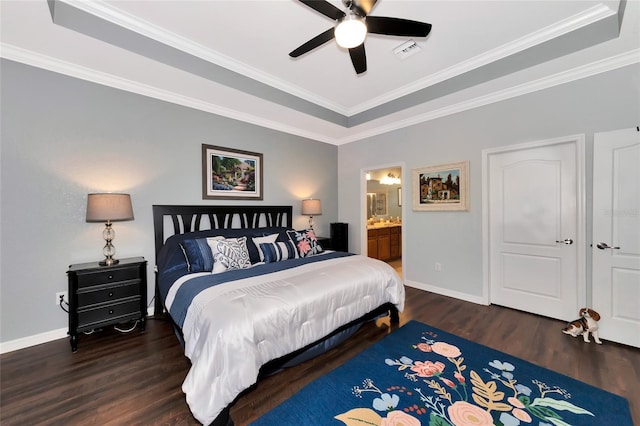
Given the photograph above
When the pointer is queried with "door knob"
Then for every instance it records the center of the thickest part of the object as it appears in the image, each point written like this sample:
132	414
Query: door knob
603	246
566	241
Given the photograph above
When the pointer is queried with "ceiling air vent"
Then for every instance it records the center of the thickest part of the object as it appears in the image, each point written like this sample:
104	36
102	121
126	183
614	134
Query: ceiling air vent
406	49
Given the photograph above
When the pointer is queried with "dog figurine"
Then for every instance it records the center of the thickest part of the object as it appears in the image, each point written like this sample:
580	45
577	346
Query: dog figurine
587	323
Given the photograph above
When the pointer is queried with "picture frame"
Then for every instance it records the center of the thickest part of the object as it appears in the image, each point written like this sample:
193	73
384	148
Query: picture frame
442	187
231	174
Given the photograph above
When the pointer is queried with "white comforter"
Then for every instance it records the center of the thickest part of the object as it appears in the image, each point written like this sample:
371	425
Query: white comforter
231	330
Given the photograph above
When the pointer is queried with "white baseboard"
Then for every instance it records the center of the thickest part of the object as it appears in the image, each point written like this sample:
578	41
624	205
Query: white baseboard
480	300
37	339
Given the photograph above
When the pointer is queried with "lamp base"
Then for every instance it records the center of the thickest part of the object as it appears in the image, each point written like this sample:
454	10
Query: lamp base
108	262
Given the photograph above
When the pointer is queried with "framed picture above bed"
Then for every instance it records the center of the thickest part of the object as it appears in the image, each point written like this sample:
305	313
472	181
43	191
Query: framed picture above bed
441	187
231	174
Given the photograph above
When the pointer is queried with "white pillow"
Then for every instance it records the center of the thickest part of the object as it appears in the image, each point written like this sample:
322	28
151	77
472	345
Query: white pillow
264	240
229	253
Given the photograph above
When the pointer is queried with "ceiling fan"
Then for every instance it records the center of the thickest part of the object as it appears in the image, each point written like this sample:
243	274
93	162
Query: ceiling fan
352	26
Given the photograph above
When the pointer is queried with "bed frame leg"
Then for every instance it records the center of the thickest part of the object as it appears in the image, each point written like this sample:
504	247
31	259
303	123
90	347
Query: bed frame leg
394	316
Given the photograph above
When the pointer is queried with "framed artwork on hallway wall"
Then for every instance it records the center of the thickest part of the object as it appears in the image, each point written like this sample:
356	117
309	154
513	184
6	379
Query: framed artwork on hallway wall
442	187
231	174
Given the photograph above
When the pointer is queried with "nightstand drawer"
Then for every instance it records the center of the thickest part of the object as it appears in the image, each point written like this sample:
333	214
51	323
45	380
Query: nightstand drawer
110	276
108	313
108	293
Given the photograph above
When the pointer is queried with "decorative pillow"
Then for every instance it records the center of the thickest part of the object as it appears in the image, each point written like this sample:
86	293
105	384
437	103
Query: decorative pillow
230	253
278	251
306	242
258	241
198	255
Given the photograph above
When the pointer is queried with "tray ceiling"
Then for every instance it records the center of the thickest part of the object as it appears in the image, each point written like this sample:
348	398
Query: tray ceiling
231	57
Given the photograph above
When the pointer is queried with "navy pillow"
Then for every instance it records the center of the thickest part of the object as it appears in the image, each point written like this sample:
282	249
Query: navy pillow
198	255
278	251
306	242
171	255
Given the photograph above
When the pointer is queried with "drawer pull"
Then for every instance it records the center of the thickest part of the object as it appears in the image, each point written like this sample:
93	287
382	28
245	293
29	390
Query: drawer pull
110	294
110	311
110	277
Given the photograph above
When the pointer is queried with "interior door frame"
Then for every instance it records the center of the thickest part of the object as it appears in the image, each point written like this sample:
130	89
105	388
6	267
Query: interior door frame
581	237
363	207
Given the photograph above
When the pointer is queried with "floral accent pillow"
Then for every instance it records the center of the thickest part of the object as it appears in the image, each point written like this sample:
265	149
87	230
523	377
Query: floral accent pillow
229	253
306	242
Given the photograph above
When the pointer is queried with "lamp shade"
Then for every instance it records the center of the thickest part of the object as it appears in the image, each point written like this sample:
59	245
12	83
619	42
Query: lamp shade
311	207
109	207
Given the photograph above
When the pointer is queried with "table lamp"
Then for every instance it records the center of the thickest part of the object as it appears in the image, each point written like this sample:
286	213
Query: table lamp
109	207
311	207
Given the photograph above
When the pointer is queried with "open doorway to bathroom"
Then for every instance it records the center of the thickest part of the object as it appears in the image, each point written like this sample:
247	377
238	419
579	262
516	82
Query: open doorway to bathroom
384	215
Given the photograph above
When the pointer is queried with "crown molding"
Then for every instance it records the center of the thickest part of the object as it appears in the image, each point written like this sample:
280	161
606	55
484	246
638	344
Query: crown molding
116	16
575	22
578	73
38	60
62	67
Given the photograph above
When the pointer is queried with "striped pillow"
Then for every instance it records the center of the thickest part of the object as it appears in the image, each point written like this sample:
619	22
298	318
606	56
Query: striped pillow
275	252
262	240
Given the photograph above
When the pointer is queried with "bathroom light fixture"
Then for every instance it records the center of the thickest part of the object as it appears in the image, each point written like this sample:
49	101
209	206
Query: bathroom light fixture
390	179
311	207
109	207
350	31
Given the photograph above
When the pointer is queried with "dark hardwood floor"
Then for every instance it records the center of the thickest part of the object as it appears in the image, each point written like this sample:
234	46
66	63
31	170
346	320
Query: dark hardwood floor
135	378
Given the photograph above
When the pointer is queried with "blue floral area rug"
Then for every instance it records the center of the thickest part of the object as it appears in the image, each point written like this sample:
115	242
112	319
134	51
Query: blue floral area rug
419	375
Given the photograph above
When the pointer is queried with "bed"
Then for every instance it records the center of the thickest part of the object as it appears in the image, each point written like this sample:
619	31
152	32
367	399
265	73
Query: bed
249	295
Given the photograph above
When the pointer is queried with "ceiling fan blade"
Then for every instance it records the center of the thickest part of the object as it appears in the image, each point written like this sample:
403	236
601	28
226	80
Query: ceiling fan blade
358	58
317	41
324	7
366	5
397	27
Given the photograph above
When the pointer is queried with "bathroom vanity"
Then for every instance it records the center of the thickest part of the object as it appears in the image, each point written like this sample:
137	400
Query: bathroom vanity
384	241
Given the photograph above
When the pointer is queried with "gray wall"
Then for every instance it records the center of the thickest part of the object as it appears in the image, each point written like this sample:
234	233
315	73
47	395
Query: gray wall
600	103
63	138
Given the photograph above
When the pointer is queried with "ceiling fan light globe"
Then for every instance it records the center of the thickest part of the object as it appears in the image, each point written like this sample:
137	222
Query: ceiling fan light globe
351	31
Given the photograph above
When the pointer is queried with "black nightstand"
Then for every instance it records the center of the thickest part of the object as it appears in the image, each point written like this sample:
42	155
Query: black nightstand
104	295
325	243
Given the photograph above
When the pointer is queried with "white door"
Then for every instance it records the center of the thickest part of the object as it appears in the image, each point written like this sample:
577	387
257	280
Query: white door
616	235
535	227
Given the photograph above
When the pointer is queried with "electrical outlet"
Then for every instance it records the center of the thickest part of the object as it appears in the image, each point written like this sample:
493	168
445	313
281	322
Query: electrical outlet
438	266
63	295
